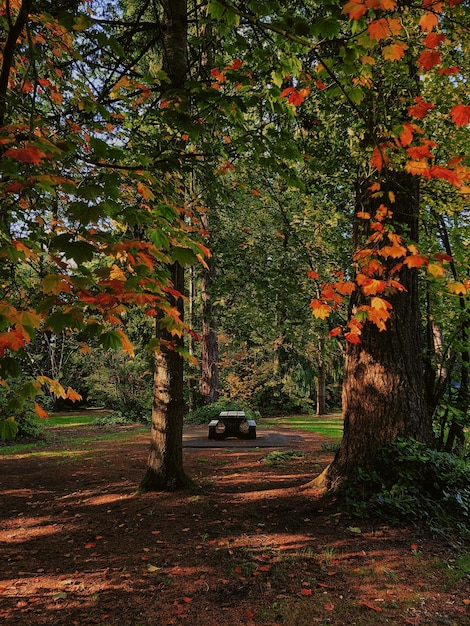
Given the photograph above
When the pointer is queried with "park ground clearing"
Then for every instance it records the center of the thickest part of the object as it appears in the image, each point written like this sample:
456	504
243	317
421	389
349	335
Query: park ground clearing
245	546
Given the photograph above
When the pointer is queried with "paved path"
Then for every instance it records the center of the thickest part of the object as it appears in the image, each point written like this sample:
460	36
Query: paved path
193	438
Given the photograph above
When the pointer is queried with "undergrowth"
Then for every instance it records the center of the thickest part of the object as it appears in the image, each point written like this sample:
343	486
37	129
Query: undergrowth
204	414
415	484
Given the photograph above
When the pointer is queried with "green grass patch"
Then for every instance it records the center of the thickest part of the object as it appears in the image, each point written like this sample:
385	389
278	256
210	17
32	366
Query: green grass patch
279	457
331	426
54	421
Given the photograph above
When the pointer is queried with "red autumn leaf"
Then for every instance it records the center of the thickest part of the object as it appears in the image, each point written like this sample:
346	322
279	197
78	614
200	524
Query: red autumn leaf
334	332
429	59
432	40
378	29
415	260
236	64
306	592
30	154
312	274
329	606
460	115
421	108
448	71
442	257
419	152
437	171
352	338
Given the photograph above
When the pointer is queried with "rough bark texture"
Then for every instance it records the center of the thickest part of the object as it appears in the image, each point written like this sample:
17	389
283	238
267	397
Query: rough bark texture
165	463
383	395
209	385
321	378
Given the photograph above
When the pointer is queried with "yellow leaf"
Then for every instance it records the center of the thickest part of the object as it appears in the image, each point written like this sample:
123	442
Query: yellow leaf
456	287
320	310
125	343
418	168
436	270
394	52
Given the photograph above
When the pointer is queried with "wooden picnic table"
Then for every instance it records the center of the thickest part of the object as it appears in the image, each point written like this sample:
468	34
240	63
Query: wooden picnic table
232	424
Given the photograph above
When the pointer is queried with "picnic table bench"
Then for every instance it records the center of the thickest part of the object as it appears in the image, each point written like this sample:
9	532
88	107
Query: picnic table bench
232	424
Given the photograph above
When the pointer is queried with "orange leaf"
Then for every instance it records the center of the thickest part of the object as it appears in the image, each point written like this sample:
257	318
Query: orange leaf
352	338
406	135
460	115
378	29
437	171
363	215
335	331
329	606
73	395
428	21
345	288
395	51
312	274
320	310
415	260
442	256
355	9
40	412
418	168
30	154
306	592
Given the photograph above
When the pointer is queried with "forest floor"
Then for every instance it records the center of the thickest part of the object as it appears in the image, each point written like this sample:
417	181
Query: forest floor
246	546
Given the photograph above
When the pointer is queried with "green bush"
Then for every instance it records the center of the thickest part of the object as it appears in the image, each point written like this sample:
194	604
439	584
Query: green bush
414	483
208	412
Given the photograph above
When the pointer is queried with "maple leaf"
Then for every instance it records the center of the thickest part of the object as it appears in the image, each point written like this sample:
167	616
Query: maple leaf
73	395
320	309
406	135
40	412
436	270
460	115
418	153
421	108
30	154
126	345
334	332
428	21
457	287
429	59
379	158
345	288
415	260
378	29
372	286
437	171
395	51
312	274
355	9
418	168
433	40
442	257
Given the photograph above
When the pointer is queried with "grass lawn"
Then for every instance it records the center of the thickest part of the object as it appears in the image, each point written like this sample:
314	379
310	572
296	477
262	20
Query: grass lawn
330	425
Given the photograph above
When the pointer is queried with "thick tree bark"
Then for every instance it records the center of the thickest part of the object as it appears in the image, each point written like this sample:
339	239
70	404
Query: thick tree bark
321	378
165	462
383	390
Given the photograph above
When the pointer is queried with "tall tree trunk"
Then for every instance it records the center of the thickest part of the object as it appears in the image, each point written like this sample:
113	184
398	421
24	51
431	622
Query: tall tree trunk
383	390
165	462
209	385
321	377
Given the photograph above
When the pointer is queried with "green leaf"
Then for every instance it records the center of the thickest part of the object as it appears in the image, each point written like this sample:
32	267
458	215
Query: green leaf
9	367
111	340
184	256
8	429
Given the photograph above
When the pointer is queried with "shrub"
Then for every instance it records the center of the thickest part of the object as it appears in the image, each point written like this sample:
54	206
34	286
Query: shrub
208	412
414	483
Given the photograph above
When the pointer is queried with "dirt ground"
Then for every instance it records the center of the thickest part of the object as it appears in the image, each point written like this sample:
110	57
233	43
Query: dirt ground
246	546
